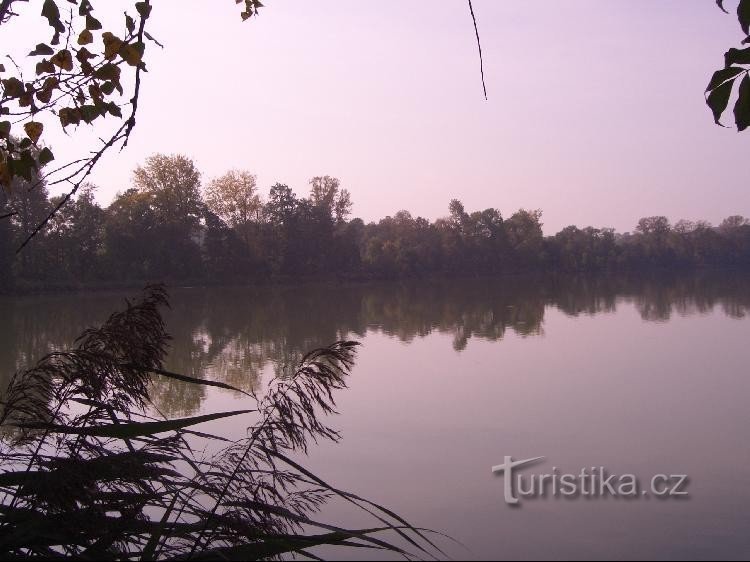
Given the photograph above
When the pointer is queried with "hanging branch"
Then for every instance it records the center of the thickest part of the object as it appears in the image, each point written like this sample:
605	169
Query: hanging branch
479	46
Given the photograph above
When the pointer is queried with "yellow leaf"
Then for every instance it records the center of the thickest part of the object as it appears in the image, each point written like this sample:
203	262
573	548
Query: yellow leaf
131	55
85	37
34	130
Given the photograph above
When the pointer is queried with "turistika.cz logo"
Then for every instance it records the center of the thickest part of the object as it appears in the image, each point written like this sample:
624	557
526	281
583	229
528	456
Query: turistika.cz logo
593	482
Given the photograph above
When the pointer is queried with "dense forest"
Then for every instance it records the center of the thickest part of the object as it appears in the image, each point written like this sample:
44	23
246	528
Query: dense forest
170	227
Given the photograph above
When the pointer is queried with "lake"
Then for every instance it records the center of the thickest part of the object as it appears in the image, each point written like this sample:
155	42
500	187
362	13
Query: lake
642	376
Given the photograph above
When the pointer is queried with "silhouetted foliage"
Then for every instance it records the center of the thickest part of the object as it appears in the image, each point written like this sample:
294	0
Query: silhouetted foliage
734	77
167	229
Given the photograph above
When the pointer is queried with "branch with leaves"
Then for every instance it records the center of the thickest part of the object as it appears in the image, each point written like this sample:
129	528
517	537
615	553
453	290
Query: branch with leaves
734	76
80	77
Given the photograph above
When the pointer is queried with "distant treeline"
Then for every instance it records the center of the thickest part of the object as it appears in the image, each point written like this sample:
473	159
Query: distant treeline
169	227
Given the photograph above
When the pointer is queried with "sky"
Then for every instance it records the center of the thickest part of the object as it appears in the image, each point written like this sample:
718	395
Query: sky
595	111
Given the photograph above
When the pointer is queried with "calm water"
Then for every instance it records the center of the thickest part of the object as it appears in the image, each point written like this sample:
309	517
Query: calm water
641	376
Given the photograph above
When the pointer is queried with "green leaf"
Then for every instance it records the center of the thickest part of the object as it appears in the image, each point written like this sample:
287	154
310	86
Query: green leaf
718	100
134	429
45	156
742	107
743	14
737	56
721	76
42	50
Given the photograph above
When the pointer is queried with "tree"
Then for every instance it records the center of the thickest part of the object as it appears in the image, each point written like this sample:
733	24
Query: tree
327	195
734	223
281	206
234	198
75	237
173	184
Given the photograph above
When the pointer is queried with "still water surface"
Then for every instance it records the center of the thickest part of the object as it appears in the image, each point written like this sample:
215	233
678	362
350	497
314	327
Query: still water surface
641	376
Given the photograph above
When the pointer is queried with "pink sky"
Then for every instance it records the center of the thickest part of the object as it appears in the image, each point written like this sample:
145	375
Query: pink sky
595	110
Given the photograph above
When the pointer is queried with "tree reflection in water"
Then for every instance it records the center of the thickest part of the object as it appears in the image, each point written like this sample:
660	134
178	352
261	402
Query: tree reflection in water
235	335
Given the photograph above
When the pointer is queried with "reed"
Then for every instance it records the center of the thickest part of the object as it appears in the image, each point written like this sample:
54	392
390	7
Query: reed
88	472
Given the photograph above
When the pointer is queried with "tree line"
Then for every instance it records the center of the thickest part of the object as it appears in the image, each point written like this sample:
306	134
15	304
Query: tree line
170	226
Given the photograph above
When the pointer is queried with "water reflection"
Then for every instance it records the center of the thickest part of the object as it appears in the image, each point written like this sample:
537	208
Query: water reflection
236	335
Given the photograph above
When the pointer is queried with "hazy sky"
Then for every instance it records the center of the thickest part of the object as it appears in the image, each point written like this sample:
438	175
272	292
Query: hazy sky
595	110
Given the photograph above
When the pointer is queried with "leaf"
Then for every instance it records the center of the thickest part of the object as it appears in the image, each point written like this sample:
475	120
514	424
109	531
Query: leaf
93	24
720	4
112	45
108	72
2	68
5	129
44	67
721	76
85	8
86	37
132	54
193	380
24	166
743	14
718	100
45	156
63	60
42	50
114	109
152	39
129	23
13	87
135	429
69	116
737	56
34	130
144	9
44	95
89	113
52	13
742	107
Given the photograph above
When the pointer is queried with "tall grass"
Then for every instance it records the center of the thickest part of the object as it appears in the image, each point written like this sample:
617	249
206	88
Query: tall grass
88	473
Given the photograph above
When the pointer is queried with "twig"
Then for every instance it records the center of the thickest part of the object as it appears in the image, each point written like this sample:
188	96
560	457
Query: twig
479	45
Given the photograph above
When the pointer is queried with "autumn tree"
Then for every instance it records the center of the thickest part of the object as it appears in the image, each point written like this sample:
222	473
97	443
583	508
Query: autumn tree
326	194
235	199
173	184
